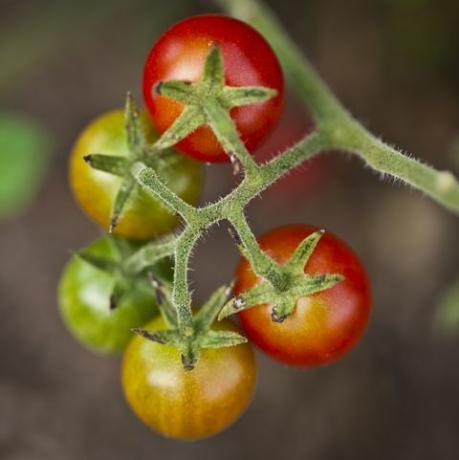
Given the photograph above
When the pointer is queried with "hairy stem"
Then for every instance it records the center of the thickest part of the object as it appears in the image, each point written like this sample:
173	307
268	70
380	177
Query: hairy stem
260	261
332	119
181	295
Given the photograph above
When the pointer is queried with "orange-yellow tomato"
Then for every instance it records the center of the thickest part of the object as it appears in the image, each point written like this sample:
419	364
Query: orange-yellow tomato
95	191
182	404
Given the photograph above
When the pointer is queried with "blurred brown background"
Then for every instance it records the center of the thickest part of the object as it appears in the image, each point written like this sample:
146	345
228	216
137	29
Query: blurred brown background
395	64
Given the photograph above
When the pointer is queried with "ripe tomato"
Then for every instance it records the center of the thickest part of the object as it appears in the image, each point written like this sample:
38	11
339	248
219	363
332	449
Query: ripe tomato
184	404
84	293
95	191
323	326
180	54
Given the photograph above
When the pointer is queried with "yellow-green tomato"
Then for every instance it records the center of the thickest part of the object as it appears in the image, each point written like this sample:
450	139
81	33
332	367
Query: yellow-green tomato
183	404
84	295
144	217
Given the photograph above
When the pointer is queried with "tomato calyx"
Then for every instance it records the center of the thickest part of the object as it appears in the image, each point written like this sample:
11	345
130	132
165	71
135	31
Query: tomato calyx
137	149
201	336
208	102
124	279
296	285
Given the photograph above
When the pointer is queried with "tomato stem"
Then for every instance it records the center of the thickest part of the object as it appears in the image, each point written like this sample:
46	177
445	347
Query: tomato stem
334	122
209	102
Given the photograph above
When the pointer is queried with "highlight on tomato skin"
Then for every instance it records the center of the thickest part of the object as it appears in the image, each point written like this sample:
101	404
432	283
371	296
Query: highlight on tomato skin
180	53
188	404
323	326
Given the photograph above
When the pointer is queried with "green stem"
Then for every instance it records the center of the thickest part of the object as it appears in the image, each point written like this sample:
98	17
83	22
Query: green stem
181	295
149	180
441	186
149	254
225	130
263	264
334	121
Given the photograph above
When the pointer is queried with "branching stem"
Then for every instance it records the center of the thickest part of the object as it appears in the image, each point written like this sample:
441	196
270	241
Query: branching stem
209	102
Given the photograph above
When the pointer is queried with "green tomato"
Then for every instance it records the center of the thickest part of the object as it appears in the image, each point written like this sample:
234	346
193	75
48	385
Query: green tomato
84	293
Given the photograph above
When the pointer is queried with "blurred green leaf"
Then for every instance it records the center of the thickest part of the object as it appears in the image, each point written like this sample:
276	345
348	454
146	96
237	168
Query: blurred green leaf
447	315
24	153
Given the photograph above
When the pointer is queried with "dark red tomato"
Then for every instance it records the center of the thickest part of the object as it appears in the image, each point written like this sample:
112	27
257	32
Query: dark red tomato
180	54
323	326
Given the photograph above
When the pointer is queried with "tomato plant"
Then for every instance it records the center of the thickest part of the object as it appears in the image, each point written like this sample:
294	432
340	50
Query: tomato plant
214	88
324	325
144	216
182	404
180	53
84	299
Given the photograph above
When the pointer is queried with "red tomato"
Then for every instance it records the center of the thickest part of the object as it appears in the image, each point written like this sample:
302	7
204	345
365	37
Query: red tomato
323	326
180	54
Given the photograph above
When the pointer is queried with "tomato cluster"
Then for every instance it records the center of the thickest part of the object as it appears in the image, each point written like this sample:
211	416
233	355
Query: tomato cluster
102	299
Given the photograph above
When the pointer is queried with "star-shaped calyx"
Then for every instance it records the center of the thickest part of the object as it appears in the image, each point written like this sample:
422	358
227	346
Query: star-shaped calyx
202	336
208	102
297	284
124	279
138	149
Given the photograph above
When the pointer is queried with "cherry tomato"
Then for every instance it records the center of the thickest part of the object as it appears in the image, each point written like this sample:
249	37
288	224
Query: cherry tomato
180	54
323	326
184	404
95	191
84	293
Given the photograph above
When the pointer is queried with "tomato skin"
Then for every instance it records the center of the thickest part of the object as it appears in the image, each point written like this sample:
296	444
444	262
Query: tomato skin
180	54
83	295
95	191
187	405
323	326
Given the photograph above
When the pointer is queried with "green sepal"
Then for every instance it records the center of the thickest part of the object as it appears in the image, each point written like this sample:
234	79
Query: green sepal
117	166
122	247
124	192
245	95
136	139
220	339
209	311
304	251
283	301
101	263
148	255
163	337
214	71
178	90
164	299
188	121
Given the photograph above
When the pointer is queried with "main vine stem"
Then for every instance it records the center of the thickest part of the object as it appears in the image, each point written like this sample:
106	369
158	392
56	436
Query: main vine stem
343	132
335	129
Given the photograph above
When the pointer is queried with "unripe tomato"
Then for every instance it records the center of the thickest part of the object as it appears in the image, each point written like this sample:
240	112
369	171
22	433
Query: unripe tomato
95	191
180	54
84	295
183	404
323	326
